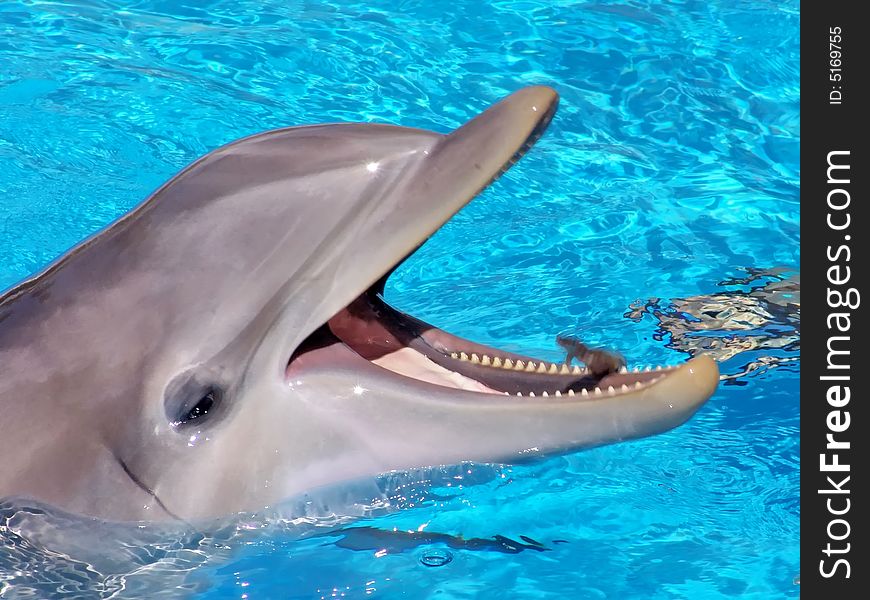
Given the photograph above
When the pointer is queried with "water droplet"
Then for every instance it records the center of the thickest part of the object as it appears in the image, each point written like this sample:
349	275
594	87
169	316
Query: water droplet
436	558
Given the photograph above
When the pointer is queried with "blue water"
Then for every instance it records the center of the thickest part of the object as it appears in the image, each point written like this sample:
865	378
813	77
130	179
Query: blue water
671	167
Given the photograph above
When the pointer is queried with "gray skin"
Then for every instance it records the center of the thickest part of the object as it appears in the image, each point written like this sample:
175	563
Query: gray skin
165	368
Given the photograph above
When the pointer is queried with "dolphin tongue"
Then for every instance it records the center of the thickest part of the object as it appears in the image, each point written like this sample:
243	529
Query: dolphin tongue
408	346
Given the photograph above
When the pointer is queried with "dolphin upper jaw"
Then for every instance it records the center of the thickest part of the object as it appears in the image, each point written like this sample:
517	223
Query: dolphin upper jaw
412	197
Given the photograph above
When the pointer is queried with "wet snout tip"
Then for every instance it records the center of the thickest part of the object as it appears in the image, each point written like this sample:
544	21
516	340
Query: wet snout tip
537	100
704	375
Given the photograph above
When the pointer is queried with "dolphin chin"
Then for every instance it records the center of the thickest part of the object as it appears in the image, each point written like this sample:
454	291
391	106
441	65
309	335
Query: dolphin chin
226	344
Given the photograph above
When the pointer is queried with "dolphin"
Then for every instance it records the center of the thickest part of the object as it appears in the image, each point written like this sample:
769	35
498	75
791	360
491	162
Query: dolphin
226	344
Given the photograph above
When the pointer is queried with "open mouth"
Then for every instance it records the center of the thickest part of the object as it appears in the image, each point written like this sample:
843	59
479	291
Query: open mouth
408	347
400	343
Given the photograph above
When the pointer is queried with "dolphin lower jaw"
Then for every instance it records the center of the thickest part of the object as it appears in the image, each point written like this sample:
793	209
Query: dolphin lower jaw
401	350
422	416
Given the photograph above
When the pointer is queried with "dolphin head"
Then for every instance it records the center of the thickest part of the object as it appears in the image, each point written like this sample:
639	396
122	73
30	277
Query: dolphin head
226	344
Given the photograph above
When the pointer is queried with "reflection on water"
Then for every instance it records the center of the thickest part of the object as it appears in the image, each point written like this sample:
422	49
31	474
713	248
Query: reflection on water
760	317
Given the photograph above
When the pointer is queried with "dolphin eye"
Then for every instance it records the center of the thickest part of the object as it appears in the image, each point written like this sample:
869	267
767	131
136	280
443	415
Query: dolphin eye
200	410
188	398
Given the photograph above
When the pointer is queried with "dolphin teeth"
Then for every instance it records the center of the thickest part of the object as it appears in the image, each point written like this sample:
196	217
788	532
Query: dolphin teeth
565	370
545	394
519	365
610	390
576	370
570	392
508	364
623	369
624	388
463	356
636	369
484	360
647	369
532	394
542	368
553	368
519	393
584	392
598	391
475	358
658	367
531	367
637	385
558	392
496	362
454	355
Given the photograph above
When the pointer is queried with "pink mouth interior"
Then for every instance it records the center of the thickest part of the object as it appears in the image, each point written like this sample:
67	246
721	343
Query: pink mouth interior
376	332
